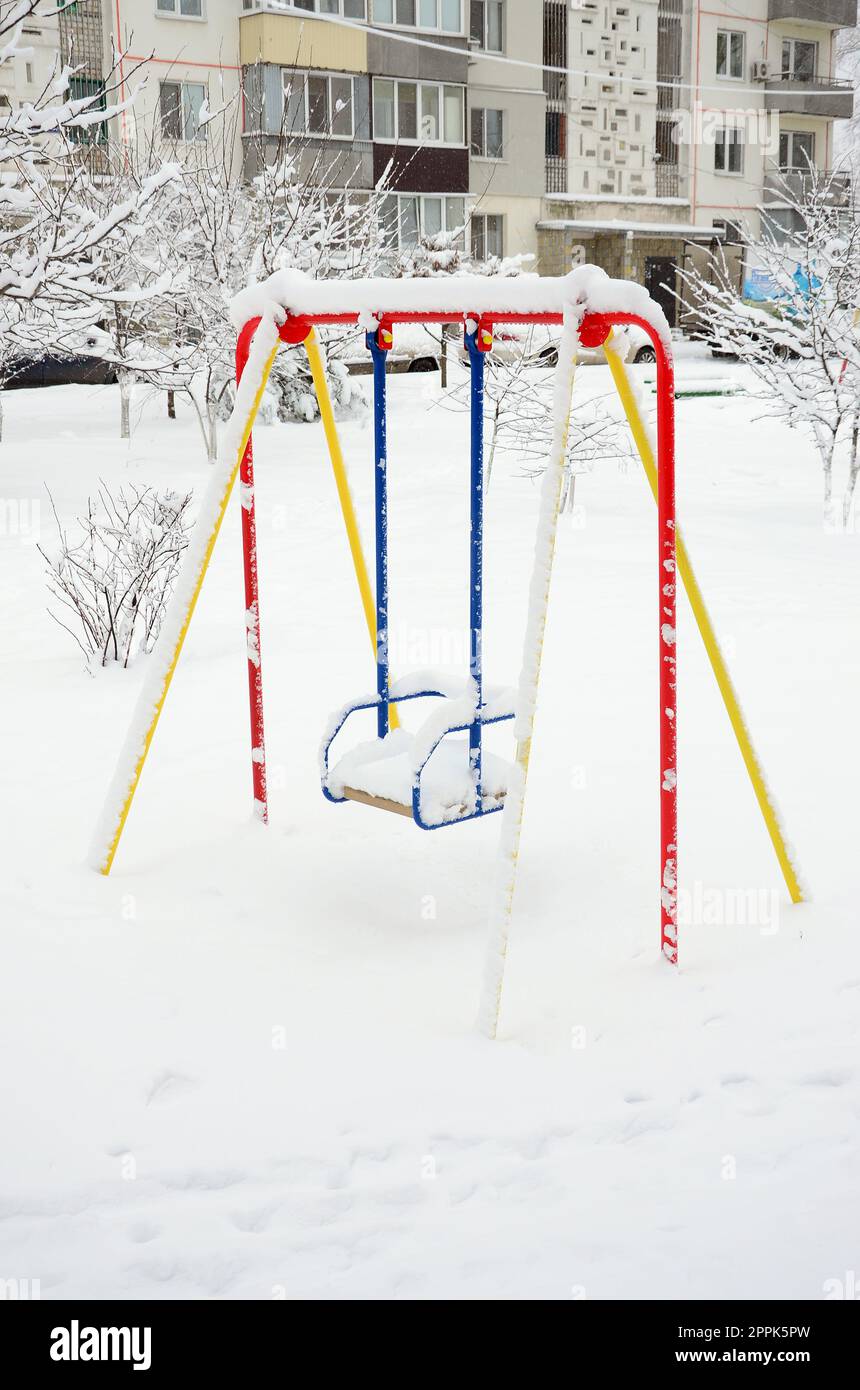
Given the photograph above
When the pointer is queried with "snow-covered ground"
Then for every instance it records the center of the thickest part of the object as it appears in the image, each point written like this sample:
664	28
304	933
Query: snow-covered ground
245	1065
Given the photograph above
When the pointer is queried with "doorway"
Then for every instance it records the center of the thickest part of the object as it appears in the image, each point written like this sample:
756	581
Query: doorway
660	281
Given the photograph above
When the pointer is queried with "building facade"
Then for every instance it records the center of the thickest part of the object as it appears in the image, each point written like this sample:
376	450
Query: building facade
24	79
622	132
768	99
187	50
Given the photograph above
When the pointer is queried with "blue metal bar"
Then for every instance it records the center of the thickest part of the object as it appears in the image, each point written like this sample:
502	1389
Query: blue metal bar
380	435
476	556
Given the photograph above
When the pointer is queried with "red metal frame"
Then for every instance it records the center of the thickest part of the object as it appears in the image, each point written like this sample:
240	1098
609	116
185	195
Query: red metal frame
593	332
252	595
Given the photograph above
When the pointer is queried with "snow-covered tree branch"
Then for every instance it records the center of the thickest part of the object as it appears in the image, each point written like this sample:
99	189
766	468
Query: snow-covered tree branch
799	335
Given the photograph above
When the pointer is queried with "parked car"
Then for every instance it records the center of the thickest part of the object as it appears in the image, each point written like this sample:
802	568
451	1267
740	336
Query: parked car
417	349
60	371
639	349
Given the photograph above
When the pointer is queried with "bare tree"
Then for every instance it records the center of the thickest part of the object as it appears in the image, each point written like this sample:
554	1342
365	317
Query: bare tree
113	578
799	337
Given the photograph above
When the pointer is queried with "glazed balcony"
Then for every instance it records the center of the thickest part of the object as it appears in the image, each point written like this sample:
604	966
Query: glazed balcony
813	96
838	14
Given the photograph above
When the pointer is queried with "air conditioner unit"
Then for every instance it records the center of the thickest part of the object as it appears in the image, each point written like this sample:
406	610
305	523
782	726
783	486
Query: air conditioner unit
761	71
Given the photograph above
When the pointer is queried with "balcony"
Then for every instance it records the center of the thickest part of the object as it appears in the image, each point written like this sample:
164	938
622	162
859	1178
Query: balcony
782	186
814	96
293	41
838	14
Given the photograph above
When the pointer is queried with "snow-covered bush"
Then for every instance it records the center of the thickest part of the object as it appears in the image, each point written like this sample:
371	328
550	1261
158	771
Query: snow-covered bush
112	579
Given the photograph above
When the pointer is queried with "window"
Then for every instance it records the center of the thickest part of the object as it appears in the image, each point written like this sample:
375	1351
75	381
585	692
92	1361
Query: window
180	104
350	9
328	104
730	52
444	16
409	217
181	9
80	88
487	238
729	150
486	24
799	59
797	150
555	143
396	107
486	133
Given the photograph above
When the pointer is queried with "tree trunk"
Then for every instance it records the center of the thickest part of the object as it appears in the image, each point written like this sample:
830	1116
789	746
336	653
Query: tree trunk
171	405
443	360
854	469
211	429
124	379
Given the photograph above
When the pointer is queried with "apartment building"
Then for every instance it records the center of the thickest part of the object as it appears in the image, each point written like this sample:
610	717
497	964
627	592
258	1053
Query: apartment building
616	175
507	125
678	120
187	50
621	132
382	96
768	98
25	79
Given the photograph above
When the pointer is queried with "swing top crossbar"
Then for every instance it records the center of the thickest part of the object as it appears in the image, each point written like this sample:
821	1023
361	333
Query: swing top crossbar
594	328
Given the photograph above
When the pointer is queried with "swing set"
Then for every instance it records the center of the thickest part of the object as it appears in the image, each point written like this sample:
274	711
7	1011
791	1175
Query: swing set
442	775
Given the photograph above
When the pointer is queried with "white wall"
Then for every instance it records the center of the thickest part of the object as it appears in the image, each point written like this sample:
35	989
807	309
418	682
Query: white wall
203	50
717	195
24	79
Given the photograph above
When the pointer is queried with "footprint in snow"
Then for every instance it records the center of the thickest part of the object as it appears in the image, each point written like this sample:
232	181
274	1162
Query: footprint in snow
168	1086
255	1220
143	1231
831	1077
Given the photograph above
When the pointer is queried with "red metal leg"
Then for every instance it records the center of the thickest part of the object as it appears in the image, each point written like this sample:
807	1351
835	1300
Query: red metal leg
252	600
668	663
593	331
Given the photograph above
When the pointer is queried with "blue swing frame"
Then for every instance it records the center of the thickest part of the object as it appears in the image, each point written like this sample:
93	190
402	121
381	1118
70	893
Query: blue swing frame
382	701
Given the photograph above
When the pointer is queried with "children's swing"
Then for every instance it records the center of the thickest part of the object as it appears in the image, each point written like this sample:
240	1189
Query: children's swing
433	778
410	774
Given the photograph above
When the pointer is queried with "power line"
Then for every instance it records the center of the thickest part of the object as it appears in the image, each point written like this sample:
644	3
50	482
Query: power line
414	41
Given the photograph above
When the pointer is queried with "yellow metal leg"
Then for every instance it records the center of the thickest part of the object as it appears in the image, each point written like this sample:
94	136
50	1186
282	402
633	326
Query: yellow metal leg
158	703
709	637
345	496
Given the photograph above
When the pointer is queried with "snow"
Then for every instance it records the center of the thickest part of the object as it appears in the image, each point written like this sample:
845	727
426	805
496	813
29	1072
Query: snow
386	768
245	1065
501	901
160	668
622	224
587	289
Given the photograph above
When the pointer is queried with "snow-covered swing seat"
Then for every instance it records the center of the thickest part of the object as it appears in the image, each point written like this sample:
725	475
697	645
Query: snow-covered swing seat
440	774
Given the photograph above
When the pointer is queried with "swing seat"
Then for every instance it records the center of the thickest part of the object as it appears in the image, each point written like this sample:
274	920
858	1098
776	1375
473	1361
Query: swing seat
379	773
425	775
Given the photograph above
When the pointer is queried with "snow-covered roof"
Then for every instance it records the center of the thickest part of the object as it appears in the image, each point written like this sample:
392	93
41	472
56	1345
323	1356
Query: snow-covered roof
685	230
